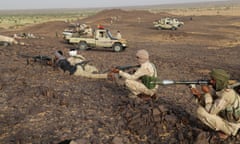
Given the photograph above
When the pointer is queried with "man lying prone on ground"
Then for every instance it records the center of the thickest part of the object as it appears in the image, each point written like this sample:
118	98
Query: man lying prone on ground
77	65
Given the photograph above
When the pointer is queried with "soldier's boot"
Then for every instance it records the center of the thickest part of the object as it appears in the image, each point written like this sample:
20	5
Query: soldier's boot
132	96
146	97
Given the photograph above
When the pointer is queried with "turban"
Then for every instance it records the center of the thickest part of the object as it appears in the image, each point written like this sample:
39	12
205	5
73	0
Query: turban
142	55
221	77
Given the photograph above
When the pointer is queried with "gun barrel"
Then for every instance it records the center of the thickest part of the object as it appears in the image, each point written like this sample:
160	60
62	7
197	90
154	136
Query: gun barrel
127	67
164	82
170	82
193	82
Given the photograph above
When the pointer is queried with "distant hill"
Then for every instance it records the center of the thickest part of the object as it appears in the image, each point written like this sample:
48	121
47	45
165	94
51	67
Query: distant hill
163	6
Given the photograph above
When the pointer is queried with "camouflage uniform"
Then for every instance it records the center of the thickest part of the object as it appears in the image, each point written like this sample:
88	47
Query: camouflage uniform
88	31
8	39
85	70
133	82
76	59
223	112
118	36
61	62
75	65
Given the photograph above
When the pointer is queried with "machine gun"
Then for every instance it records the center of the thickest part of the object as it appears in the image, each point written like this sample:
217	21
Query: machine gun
45	60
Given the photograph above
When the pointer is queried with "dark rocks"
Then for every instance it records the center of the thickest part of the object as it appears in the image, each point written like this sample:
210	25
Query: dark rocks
42	105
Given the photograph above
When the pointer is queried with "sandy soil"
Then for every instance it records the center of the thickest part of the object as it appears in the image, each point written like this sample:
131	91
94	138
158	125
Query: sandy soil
39	104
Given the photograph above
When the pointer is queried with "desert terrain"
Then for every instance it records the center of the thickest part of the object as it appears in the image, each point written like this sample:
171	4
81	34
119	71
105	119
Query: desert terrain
42	105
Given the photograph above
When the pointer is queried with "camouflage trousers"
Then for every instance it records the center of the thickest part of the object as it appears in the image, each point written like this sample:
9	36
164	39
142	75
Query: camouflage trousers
216	122
137	87
89	72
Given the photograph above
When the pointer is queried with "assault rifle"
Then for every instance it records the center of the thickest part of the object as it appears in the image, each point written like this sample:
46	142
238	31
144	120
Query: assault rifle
46	60
113	76
123	68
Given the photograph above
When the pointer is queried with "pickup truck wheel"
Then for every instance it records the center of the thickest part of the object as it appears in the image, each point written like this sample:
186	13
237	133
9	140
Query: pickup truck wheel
82	45
117	47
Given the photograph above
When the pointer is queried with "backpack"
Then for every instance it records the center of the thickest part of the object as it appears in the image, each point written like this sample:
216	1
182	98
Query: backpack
149	81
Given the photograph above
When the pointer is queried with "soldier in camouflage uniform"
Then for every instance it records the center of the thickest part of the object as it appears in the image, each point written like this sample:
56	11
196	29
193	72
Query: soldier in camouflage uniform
118	36
139	82
220	108
76	59
8	40
77	65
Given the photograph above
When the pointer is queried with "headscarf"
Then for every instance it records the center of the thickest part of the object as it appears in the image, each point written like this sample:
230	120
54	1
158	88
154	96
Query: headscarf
221	77
142	56
73	52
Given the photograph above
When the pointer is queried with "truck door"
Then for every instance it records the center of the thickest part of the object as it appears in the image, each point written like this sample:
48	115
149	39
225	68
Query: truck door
103	40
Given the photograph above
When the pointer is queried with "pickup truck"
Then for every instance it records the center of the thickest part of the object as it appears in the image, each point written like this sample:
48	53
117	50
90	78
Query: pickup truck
101	38
168	23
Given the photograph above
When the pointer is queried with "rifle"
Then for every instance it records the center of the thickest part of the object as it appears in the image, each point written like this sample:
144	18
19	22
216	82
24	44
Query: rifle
123	68
112	76
46	60
83	64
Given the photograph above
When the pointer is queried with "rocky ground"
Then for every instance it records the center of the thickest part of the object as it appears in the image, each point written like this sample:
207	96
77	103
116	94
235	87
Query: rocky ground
42	105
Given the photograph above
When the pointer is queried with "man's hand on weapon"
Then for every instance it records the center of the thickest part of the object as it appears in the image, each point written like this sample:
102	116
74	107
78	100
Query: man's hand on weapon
205	89
113	74
115	70
195	91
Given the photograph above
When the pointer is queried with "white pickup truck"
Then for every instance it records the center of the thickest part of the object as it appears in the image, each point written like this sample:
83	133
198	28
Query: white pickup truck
168	23
102	38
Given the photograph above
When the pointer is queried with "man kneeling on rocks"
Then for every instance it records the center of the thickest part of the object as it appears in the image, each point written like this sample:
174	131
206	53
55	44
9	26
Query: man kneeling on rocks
219	105
139	83
77	65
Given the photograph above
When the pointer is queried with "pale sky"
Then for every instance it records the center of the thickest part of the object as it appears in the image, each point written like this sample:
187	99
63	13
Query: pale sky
46	4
